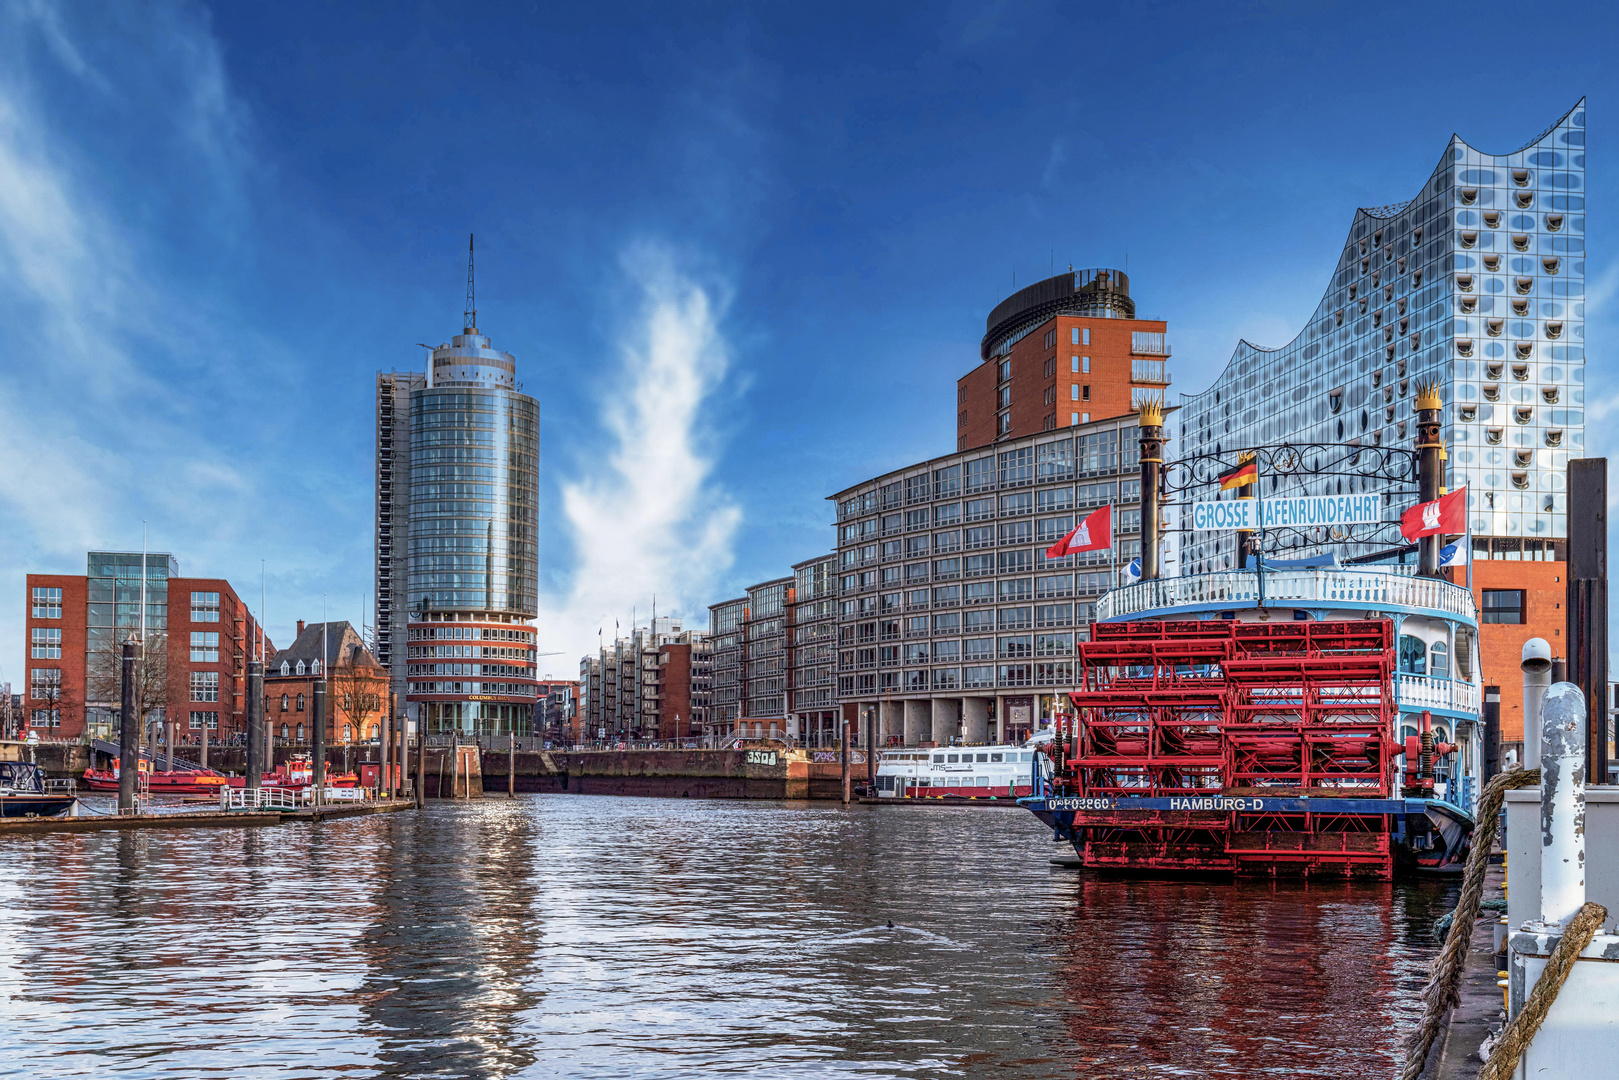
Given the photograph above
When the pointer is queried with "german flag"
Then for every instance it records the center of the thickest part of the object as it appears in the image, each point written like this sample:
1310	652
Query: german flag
1243	475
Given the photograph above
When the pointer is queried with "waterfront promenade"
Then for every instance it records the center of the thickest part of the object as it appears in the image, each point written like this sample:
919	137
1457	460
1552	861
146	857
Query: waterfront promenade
562	936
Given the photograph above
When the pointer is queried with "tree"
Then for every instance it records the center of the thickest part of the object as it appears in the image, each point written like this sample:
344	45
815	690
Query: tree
46	702
356	694
104	668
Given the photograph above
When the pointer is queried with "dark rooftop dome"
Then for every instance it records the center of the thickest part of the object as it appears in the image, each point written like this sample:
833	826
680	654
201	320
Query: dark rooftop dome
1100	292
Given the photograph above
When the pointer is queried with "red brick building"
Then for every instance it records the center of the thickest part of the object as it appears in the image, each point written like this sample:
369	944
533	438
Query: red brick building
1519	597
356	686
1064	351
199	637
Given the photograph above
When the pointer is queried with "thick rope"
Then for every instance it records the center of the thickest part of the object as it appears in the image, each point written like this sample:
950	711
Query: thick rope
1445	976
1516	1038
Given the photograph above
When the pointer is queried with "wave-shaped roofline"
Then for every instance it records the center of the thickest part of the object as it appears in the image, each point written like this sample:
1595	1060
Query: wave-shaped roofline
1377	213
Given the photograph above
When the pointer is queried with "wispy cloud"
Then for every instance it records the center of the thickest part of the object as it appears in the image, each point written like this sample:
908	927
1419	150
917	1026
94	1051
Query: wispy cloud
650	519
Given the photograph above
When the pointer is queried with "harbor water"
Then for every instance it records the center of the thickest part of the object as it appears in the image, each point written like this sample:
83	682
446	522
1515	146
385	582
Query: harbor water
581	936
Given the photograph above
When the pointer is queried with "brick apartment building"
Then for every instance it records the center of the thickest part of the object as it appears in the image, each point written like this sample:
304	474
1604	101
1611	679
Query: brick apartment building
556	711
1062	352
75	627
683	686
356	686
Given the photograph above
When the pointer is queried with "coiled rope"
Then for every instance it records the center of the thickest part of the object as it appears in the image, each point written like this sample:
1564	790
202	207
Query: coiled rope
1515	1039
1445	976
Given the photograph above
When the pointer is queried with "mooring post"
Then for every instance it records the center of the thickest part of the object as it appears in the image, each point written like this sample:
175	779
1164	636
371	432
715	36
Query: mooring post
128	730
317	749
511	766
255	727
421	761
1150	421
843	753
1562	804
1537	677
171	729
202	754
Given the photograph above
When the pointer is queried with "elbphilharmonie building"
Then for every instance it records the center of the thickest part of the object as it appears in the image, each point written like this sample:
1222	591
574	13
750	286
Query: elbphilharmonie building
1476	283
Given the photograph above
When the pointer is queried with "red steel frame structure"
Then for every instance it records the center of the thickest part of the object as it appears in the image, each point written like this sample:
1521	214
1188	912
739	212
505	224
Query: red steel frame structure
1227	708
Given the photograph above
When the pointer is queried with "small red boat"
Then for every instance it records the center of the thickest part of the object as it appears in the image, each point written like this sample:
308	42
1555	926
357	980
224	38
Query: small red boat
295	774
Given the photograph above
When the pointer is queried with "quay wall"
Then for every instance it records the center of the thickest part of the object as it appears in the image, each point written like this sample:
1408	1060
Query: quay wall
694	774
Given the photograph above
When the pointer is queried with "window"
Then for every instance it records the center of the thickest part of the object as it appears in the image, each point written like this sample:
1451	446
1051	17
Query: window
1085	365
47	643
348	732
1502	606
205	686
1003	423
1085	418
1004	371
1073	418
1074	336
1003	397
1085	336
1439	661
283	731
46	718
1073	364
284	703
205	646
286	668
300	733
300	703
1073	392
1051	367
1413	655
1085	393
1051	339
204	720
204	607
300	667
45	684
47	603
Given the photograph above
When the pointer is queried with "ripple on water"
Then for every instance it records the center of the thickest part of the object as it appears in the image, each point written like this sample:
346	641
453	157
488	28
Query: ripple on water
580	936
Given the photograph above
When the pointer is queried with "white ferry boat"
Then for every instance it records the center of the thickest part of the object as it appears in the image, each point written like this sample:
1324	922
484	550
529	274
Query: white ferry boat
971	772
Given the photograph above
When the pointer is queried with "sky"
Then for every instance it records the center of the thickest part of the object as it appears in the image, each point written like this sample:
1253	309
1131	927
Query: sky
741	253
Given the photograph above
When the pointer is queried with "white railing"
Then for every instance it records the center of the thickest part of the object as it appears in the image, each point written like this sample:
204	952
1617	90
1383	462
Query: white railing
264	798
1423	692
1380	588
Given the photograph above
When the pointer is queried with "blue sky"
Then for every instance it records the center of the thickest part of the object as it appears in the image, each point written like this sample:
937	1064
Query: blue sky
740	253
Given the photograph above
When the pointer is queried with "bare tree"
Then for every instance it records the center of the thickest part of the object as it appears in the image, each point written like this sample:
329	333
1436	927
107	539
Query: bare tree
104	669
51	698
356	693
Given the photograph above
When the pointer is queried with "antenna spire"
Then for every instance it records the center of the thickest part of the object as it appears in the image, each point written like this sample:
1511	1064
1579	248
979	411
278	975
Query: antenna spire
470	320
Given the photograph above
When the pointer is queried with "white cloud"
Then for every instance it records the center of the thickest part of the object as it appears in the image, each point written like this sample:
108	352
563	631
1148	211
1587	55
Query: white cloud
649	520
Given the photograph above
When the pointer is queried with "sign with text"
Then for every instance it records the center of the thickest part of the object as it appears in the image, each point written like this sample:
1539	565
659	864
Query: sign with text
1298	512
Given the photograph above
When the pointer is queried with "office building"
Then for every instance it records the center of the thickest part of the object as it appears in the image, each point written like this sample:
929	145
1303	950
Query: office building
952	621
1060	353
812	651
1477	284
683	686
457	537
199	636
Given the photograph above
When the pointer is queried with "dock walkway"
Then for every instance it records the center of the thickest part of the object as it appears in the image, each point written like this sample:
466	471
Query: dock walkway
198	819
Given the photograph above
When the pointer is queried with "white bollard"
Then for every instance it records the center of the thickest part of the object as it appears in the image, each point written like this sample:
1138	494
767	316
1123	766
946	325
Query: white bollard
1537	676
1562	804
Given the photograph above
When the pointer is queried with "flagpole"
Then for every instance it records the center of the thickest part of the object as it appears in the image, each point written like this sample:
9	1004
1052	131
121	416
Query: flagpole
1259	508
1469	546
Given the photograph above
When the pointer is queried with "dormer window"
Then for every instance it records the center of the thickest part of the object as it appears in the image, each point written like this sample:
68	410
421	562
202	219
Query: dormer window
1363	301
1405	384
1401	266
1549	395
1464	282
1365	265
314	668
1524	285
1416	237
1492	391
1492	218
1377	318
1400	369
1388	291
1523	414
1493	436
1520	481
1388	352
1554	222
1464	346
1377	377
1402	305
1520	308
1377	237
1469	305
1467	413
1554	438
1469	195
1493	326
1521	241
1405	325
1549	264
1493	369
1354	286
1388	415
286	669
1492	263
1524	199
1524	349
1335	400
1416	276
1469	239
1523	458
1554	330
1520	177
300	667
1363	245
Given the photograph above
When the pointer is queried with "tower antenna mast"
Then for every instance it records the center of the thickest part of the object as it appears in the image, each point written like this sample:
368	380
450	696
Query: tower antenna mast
470	322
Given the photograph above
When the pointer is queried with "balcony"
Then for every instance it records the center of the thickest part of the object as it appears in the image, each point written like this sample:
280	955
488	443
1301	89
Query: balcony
1417	692
1374	589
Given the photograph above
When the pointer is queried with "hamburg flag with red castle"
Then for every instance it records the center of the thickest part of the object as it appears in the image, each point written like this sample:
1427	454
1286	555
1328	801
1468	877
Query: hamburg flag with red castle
1093	534
1446	514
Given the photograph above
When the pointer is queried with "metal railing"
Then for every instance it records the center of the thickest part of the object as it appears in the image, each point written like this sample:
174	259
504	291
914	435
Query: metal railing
1285	588
264	798
1422	691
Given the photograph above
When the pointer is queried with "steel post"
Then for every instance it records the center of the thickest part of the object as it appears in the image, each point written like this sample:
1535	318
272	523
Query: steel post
1586	605
1562	804
1537	677
128	731
1151	424
421	763
1430	471
1492	732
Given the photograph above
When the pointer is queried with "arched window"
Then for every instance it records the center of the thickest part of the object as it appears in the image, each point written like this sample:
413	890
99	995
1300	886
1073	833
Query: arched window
1439	661
283	703
315	668
300	667
376	730
348	732
286	668
300	733
1413	655
300	703
283	731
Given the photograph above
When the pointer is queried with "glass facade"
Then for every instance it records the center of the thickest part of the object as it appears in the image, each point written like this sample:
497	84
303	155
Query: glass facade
1477	284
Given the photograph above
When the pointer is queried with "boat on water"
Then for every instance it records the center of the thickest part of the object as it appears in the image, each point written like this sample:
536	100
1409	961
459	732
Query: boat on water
995	773
23	794
295	774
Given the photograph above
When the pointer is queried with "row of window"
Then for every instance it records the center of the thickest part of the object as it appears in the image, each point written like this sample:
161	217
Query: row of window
48	604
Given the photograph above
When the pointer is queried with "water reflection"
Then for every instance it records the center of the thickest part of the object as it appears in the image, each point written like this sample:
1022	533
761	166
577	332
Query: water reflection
580	936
